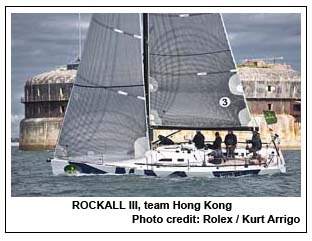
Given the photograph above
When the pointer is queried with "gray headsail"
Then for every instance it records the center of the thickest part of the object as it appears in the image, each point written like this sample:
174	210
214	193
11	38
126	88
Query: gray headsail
106	116
192	82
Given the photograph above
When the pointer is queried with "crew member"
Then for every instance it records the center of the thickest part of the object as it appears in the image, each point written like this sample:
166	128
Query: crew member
230	141
163	140
199	140
216	143
256	143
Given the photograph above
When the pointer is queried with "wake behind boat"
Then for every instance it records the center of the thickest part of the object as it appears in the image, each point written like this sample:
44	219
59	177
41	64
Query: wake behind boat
145	72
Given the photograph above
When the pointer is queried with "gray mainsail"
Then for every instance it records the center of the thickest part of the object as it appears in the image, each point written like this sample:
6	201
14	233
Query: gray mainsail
106	112
192	82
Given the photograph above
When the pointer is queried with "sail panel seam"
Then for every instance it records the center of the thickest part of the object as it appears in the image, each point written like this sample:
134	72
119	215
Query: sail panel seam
119	92
190	55
194	73
107	87
179	15
117	30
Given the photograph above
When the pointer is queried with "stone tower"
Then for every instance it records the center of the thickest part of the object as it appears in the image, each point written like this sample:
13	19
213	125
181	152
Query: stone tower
45	97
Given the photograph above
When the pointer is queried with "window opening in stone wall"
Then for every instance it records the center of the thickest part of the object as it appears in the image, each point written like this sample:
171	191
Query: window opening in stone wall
62	109
269	88
269	106
61	92
297	107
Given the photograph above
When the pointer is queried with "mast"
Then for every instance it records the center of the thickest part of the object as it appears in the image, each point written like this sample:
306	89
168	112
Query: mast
146	74
75	64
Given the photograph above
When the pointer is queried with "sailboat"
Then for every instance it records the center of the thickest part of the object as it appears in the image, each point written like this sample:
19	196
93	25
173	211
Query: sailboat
145	72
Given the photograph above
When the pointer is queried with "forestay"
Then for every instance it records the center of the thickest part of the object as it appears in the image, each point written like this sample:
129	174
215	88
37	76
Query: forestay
193	83
106	112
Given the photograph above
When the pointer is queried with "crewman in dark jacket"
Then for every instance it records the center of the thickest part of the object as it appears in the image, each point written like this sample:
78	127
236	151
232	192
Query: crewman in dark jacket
230	141
163	140
199	140
216	143
256	143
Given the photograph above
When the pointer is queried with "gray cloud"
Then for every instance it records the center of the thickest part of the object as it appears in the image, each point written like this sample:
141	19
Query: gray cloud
42	42
265	35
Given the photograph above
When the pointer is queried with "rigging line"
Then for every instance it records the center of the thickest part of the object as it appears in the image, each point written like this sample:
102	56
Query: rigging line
106	87
187	55
116	30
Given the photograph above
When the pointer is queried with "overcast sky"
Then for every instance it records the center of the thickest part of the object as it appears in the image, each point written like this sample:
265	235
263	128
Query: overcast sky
42	42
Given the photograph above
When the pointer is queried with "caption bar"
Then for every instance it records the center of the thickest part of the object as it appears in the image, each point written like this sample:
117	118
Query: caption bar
202	207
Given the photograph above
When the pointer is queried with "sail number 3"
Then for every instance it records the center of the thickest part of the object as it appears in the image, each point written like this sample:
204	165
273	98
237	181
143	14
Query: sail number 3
224	102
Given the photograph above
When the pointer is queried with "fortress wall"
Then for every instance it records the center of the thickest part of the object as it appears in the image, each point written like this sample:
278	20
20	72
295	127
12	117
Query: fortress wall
287	127
45	109
279	106
39	134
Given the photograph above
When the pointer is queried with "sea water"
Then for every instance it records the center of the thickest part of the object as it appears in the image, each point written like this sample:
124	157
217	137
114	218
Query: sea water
32	177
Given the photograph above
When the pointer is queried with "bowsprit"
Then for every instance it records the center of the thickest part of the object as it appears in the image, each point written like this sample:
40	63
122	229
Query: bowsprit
97	205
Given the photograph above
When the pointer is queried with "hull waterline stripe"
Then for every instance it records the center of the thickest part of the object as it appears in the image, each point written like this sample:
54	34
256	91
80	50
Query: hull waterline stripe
178	174
235	173
150	173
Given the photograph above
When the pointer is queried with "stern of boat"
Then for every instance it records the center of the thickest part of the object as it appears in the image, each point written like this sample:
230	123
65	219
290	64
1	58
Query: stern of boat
282	164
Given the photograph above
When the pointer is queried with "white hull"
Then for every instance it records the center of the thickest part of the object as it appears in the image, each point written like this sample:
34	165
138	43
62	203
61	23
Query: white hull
167	161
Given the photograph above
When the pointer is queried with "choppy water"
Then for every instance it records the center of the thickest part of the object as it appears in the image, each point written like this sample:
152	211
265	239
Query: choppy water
32	176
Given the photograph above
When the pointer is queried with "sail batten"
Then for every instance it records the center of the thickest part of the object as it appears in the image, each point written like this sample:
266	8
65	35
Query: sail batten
108	87
191	73
116	29
190	54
